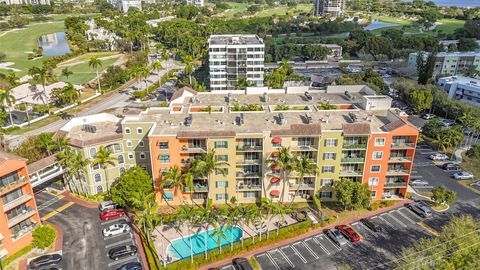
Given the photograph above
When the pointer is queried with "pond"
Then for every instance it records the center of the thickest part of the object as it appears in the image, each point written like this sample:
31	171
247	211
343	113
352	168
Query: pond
54	44
378	25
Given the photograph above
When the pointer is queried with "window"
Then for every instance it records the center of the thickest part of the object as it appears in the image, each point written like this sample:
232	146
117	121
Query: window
327	182
163	145
328	169
221	184
325	194
306	141
221	197
139	130
97	178
129	143
131	156
329	156
99	189
221	158
164	158
168	197
122	170
374	193
142	156
96	166
375	168
221	171
93	152
222	144
250	194
115	148
331	142
127	130
377	155
120	159
144	167
141	143
379	141
373	181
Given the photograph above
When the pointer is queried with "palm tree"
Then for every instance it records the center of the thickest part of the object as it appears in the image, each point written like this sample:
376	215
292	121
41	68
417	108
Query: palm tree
173	179
206	165
66	160
40	74
144	74
70	94
269	207
157	66
59	143
303	166
148	217
7	100
286	161
468	120
219	233
104	158
189	67
78	167
188	214
442	141
12	78
280	211
248	215
233	216
208	217
95	63
136	72
46	143
67	72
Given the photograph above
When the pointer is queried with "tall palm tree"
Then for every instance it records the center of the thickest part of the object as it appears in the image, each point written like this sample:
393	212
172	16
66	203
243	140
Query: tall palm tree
144	72
59	143
303	166
7	100
104	158
148	217
42	75
189	67
233	216
66	160
269	207
78	167
208	217
468	120
286	161
206	165
219	233
248	215
96	63
188	214
173	179
136	72
157	66
280	211
70	94
12	78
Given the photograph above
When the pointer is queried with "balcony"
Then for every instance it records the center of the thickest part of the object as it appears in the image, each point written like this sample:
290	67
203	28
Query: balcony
26	213
194	149
248	162
16	202
304	147
249	187
302	186
400	159
247	174
402	145
398	172
395	184
23	231
197	188
355	146
351	173
249	148
353	160
13	185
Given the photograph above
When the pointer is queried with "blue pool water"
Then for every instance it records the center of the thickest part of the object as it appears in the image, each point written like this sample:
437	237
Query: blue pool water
180	248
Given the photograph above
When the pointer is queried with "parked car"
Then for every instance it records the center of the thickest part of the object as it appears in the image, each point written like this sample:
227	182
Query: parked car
241	264
107	205
336	237
475	183
349	233
112	213
122	251
374	227
420	209
419	182
131	266
44	261
428	116
116	229
299	216
438	156
447	122
463	176
387	194
450	166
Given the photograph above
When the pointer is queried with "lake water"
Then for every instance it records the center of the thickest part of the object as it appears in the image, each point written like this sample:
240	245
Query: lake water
54	44
378	25
458	3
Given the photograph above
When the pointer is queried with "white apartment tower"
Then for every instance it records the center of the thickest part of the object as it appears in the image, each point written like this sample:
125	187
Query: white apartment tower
334	8
197	3
235	56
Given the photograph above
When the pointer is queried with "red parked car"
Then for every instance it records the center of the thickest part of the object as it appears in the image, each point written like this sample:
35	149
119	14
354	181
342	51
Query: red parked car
111	213
349	233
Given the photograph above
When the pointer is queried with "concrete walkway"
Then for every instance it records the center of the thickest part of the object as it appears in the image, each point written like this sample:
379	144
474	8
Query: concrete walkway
458	154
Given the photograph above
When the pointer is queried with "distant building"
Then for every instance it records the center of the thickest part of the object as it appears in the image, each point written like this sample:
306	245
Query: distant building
99	33
124	5
462	88
197	3
448	42
235	56
26	2
334	8
449	63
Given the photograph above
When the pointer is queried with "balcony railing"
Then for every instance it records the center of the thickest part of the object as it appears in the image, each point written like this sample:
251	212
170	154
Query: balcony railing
395	184
193	149
21	179
28	212
355	146
304	147
351	173
353	160
248	148
247	174
302	186
400	159
249	187
16	202
23	231
197	188
248	162
402	145
398	171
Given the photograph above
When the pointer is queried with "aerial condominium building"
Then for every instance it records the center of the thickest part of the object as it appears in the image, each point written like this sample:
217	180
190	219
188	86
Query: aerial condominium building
18	210
449	63
334	8
233	58
462	88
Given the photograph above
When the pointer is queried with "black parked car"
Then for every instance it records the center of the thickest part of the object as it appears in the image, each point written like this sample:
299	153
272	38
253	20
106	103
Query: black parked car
241	264
131	266
122	251
370	225
45	260
450	166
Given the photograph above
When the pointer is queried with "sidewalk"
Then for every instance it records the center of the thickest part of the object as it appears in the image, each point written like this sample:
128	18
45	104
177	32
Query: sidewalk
81	202
458	154
306	235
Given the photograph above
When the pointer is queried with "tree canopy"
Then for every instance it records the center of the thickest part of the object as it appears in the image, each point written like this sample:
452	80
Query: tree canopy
131	188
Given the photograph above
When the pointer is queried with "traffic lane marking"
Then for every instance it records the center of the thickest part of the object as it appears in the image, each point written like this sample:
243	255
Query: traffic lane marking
58	210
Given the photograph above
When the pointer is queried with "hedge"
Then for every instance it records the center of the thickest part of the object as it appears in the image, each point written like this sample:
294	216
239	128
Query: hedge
43	236
17	255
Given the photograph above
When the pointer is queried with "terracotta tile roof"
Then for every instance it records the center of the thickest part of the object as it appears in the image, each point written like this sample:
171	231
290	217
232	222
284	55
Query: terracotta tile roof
298	130
180	92
41	164
203	134
356	129
393	125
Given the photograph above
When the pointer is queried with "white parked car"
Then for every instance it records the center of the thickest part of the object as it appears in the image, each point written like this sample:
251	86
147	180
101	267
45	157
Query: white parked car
438	156
116	229
447	122
107	205
419	182
428	116
463	176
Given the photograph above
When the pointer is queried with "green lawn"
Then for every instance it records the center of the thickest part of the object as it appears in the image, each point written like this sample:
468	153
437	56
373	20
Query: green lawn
449	25
17	44
446	26
82	73
391	20
236	8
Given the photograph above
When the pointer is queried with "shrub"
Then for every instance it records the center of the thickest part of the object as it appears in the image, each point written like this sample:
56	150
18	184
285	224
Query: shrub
387	203
43	236
16	255
374	206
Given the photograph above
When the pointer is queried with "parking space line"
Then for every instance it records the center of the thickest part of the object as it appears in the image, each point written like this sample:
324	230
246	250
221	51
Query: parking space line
50	202
298	254
328	238
309	249
128	259
285	257
120	234
396	219
118	243
386	221
321	246
405	216
272	260
368	230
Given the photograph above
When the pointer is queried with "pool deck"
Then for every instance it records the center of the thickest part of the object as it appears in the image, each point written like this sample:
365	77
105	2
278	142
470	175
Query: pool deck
163	235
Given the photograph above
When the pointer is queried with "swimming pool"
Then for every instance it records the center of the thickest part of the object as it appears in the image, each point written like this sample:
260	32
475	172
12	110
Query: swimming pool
180	248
